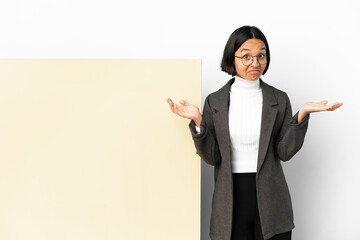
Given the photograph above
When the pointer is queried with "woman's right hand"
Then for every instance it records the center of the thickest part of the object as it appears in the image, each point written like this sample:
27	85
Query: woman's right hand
187	110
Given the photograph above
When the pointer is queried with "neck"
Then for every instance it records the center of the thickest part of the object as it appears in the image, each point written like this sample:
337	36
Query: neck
244	85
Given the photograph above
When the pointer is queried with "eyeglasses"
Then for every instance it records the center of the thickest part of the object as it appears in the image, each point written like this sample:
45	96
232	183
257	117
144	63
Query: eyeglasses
248	60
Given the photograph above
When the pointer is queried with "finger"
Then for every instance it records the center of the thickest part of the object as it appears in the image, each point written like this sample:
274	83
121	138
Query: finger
324	102
169	100
331	107
338	104
335	106
171	104
183	102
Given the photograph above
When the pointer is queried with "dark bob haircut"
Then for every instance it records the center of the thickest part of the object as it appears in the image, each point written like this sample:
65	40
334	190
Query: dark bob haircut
236	39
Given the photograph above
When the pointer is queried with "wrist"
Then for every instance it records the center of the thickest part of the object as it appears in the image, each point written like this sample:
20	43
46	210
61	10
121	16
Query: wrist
197	121
302	114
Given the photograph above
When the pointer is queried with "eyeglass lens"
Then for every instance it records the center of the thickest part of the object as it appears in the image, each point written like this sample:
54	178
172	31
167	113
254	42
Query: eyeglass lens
249	60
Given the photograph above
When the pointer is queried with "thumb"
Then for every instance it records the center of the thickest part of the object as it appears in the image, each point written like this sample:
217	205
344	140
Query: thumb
324	101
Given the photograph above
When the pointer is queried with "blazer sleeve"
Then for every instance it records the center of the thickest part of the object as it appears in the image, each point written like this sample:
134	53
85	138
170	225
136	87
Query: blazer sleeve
292	133
205	142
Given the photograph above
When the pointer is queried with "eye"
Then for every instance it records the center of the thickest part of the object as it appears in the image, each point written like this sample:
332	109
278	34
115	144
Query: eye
246	57
261	55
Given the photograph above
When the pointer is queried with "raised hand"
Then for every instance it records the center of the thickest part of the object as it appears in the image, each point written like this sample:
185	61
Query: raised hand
321	106
185	110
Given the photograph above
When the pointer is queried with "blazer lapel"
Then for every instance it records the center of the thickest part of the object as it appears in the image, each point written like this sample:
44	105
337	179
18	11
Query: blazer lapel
220	106
268	118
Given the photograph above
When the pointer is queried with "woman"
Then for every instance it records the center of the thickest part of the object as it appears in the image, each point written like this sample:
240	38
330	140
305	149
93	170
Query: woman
246	128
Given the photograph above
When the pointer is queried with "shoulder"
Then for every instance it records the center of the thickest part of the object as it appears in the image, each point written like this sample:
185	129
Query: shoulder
280	95
274	89
221	94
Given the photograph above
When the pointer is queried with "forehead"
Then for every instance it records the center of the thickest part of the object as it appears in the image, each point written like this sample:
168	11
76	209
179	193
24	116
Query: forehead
252	44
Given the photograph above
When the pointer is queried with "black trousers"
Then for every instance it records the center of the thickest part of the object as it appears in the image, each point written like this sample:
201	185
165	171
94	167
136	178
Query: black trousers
246	220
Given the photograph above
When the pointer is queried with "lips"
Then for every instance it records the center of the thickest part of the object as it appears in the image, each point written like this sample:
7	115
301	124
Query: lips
254	71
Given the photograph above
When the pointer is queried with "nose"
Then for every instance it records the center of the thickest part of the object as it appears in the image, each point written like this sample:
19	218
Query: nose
255	62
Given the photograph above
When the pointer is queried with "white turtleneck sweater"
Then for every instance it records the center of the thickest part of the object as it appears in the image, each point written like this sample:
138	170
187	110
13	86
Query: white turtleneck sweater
244	124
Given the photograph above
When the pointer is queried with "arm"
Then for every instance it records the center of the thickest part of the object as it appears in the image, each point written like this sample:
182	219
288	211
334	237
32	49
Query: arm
292	133
293	130
321	106
205	142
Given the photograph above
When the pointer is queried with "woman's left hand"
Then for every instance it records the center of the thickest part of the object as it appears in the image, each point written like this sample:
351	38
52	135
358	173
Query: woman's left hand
321	106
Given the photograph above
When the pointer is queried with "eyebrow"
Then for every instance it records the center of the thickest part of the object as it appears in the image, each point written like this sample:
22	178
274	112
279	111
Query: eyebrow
245	49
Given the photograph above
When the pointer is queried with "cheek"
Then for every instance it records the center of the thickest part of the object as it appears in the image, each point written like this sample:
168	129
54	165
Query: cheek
239	67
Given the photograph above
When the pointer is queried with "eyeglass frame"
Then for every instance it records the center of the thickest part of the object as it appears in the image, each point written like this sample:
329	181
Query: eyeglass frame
252	59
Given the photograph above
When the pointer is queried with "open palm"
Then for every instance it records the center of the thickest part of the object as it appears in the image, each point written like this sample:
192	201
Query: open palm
310	107
185	110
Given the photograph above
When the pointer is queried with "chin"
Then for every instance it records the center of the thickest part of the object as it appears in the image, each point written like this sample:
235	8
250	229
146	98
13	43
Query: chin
253	78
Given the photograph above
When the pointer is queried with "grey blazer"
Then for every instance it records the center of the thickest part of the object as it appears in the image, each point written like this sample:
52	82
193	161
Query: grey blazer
281	138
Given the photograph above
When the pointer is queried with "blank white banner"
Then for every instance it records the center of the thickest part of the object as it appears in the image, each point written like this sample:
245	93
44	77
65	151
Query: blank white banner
89	149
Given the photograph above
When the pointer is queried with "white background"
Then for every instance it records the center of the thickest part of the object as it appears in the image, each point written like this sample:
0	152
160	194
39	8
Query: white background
315	56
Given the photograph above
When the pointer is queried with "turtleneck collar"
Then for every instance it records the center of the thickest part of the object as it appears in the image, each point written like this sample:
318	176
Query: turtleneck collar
245	86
